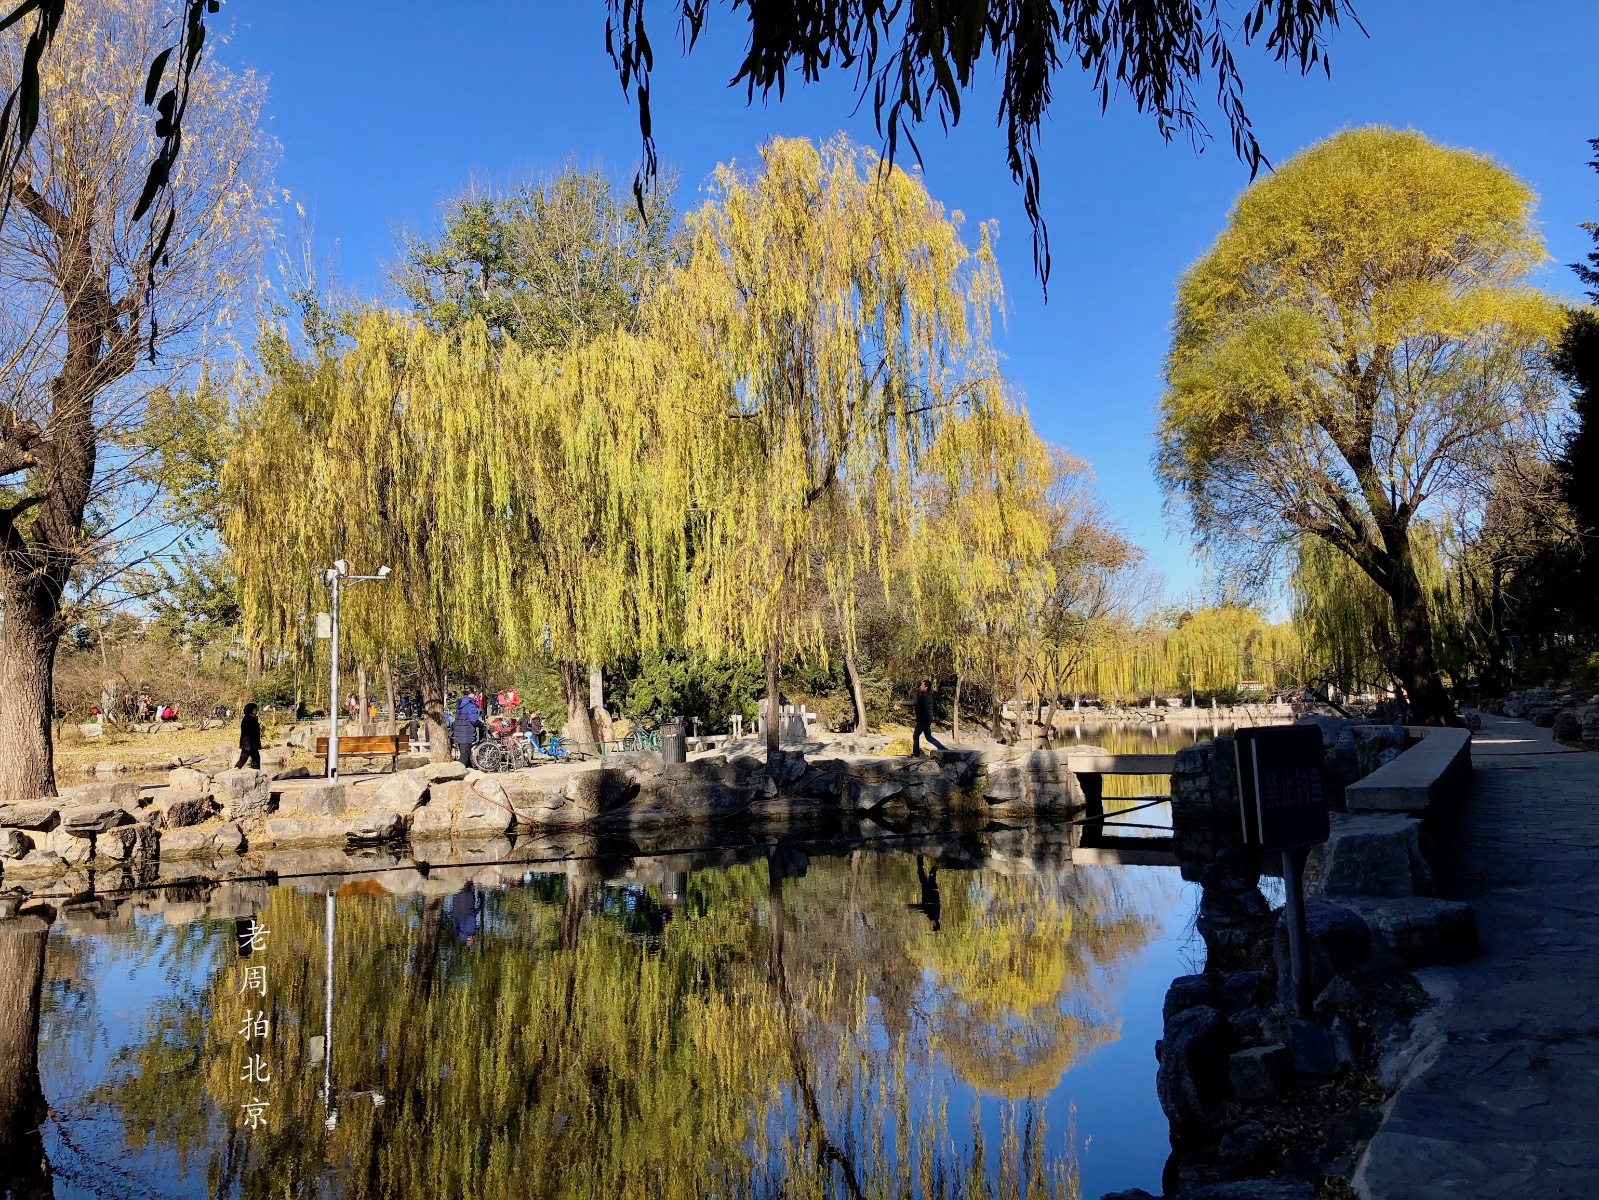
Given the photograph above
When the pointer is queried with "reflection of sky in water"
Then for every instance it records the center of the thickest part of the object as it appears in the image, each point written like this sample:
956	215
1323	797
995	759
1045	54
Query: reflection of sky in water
102	993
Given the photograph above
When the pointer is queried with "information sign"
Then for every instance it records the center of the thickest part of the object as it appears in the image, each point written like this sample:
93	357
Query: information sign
1282	790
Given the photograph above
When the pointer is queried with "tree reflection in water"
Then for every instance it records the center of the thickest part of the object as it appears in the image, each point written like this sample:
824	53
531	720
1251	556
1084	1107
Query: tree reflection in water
781	1027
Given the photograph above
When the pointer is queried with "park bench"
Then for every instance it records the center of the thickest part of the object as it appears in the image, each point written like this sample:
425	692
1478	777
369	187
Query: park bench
380	745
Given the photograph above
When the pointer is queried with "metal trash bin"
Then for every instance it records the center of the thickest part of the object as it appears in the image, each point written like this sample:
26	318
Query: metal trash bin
672	747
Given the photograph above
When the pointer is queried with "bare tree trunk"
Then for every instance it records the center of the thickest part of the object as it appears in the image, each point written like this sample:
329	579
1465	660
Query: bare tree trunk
773	654
24	1169
857	694
1049	715
388	695
1430	703
575	690
360	695
955	713
28	638
254	664
430	678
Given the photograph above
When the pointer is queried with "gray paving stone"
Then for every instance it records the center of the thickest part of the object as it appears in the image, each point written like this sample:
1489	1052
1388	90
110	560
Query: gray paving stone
1505	1101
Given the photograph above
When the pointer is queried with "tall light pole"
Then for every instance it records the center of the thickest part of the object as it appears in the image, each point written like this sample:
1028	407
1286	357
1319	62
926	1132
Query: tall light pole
337	574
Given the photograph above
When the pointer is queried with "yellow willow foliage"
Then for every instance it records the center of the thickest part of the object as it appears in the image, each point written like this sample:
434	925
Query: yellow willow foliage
1213	649
1346	622
613	1063
847	318
360	458
980	562
521	498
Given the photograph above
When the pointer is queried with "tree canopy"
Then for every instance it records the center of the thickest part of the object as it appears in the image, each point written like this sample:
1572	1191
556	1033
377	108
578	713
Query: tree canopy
1360	343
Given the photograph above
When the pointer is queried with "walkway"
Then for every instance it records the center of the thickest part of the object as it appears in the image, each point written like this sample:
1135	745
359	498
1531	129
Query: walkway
1504	1101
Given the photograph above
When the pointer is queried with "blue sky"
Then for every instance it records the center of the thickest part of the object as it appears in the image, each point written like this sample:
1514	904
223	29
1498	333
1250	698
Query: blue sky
385	109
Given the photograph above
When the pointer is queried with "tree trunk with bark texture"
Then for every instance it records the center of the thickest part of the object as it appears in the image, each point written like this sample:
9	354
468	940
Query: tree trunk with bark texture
56	462
430	678
857	694
388	695
27	660
1429	700
24	1169
575	690
773	655
955	713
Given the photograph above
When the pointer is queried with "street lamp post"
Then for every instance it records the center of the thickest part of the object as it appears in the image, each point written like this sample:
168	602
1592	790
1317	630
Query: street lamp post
337	574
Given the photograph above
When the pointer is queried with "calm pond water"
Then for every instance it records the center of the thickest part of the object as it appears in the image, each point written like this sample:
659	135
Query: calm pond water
793	1020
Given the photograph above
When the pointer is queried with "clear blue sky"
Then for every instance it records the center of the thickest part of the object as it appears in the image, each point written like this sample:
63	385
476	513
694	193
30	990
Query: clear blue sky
384	109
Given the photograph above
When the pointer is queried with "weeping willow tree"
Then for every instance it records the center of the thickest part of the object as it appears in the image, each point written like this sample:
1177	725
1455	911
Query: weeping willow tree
1209	650
524	500
1349	631
1360	346
848	320
370	455
979	564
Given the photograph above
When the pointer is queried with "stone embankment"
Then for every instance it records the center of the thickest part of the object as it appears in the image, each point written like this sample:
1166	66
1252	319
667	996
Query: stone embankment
1573	717
215	814
1264	1104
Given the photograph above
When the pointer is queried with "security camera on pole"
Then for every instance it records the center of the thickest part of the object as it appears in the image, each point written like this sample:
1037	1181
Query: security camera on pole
336	575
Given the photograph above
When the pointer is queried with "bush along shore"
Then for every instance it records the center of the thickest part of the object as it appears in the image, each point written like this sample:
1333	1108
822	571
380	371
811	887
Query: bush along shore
1264	1105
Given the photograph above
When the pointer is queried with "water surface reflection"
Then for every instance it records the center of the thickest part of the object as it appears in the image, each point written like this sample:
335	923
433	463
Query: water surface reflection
866	1023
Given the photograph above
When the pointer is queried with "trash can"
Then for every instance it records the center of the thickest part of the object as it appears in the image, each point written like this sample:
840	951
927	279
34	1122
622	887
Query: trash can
672	749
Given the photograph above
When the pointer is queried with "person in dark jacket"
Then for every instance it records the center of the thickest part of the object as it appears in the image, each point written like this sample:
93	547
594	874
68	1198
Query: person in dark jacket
468	721
924	719
249	739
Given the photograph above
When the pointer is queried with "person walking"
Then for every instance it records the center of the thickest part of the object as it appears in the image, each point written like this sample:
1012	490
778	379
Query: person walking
468	720
249	739
924	719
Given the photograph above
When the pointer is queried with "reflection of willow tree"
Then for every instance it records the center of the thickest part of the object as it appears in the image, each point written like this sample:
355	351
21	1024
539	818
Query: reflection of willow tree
1015	960
735	1050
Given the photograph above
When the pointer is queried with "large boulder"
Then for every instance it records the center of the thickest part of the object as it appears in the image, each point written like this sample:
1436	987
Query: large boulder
1567	726
122	794
283	831
1416	931
41	815
326	799
1260	1072
433	819
1192	1079
375	826
1339	942
73	850
597	791
1372	854
187	779
228	839
541	801
477	805
1590	725
189	842
86	820
14	844
243	794
402	792
443	772
175	810
126	843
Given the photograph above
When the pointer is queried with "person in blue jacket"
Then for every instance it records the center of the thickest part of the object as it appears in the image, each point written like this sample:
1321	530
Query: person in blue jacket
468	720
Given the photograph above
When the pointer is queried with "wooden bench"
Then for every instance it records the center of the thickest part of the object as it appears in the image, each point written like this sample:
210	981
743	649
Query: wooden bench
377	745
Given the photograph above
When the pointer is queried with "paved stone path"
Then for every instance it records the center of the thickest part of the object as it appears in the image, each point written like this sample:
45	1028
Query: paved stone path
1502	1099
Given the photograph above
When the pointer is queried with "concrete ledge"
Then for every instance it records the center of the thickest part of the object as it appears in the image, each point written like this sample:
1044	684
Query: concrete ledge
1421	779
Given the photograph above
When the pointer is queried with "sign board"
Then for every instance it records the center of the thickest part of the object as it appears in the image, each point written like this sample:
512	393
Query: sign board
324	625
1282	792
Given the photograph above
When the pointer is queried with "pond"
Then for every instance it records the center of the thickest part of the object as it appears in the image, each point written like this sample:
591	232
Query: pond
969	1014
